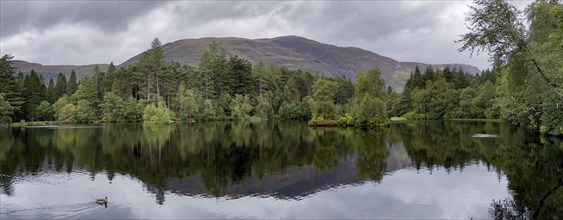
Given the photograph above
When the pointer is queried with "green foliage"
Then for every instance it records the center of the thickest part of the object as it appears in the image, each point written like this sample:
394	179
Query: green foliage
60	104
113	108
60	87
50	96
528	57
322	105
369	111
441	96
370	84
87	90
263	107
72	84
295	111
447	95
149	71
239	73
67	114
188	106
34	92
369	106
494	28
44	111
209	112
160	114
84	112
484	101
11	88
324	90
6	110
241	107
345	90
414	116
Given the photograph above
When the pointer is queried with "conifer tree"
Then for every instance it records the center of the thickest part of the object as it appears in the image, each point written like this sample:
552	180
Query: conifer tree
50	96
72	84
9	87
60	87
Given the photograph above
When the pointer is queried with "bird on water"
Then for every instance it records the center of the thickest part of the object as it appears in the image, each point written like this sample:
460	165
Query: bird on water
102	201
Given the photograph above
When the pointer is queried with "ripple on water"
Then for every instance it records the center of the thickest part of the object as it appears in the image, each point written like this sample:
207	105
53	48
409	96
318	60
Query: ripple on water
50	212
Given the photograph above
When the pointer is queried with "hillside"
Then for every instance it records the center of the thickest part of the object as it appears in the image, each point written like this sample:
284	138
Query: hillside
52	71
290	51
301	53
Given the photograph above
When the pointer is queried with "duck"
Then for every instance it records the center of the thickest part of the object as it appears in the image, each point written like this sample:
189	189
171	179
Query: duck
102	201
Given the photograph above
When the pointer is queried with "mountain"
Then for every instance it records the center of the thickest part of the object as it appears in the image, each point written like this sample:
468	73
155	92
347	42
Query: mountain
291	51
52	71
301	53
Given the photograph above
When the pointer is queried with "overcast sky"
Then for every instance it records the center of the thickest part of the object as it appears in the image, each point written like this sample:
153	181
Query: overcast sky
87	32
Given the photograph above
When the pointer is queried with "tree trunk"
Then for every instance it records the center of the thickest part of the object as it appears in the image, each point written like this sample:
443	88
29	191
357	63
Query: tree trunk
157	89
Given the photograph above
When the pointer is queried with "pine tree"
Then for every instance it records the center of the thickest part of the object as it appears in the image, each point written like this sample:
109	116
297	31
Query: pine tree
206	85
60	87
32	94
417	80
109	78
428	74
9	86
150	66
72	84
260	79
240	75
51	97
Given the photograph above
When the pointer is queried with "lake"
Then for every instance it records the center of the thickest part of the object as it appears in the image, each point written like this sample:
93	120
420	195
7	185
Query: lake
280	170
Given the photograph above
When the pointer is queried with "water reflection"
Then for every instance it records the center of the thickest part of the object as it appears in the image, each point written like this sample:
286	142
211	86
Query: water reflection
292	162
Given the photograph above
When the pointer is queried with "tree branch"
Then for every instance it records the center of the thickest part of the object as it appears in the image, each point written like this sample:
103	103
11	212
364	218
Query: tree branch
554	85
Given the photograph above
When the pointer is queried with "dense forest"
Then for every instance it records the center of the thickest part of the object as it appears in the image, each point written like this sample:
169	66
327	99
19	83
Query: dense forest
524	87
218	88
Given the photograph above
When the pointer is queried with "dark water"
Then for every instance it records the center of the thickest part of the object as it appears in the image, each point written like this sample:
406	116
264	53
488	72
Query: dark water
281	170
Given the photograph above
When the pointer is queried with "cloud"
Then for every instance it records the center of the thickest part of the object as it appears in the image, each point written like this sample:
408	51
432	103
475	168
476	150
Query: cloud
84	32
108	16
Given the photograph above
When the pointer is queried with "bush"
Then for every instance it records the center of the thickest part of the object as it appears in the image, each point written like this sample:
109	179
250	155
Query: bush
67	114
241	107
369	111
346	120
162	114
5	119
413	116
44	111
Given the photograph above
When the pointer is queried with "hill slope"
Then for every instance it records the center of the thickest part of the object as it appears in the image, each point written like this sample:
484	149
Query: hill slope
52	71
290	51
301	53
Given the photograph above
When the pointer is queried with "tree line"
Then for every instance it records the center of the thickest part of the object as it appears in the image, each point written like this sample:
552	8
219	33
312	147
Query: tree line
524	86
154	90
446	94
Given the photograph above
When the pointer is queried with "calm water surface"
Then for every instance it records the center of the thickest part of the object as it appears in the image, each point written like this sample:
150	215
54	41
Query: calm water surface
280	170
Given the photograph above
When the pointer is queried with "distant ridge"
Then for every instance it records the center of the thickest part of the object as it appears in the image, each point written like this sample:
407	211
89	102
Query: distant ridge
293	52
52	71
302	53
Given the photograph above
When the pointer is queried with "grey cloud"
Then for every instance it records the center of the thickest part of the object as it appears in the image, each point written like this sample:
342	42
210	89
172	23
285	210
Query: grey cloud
192	14
367	20
403	30
109	16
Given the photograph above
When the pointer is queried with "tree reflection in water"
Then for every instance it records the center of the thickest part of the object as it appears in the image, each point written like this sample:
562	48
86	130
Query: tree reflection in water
236	159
